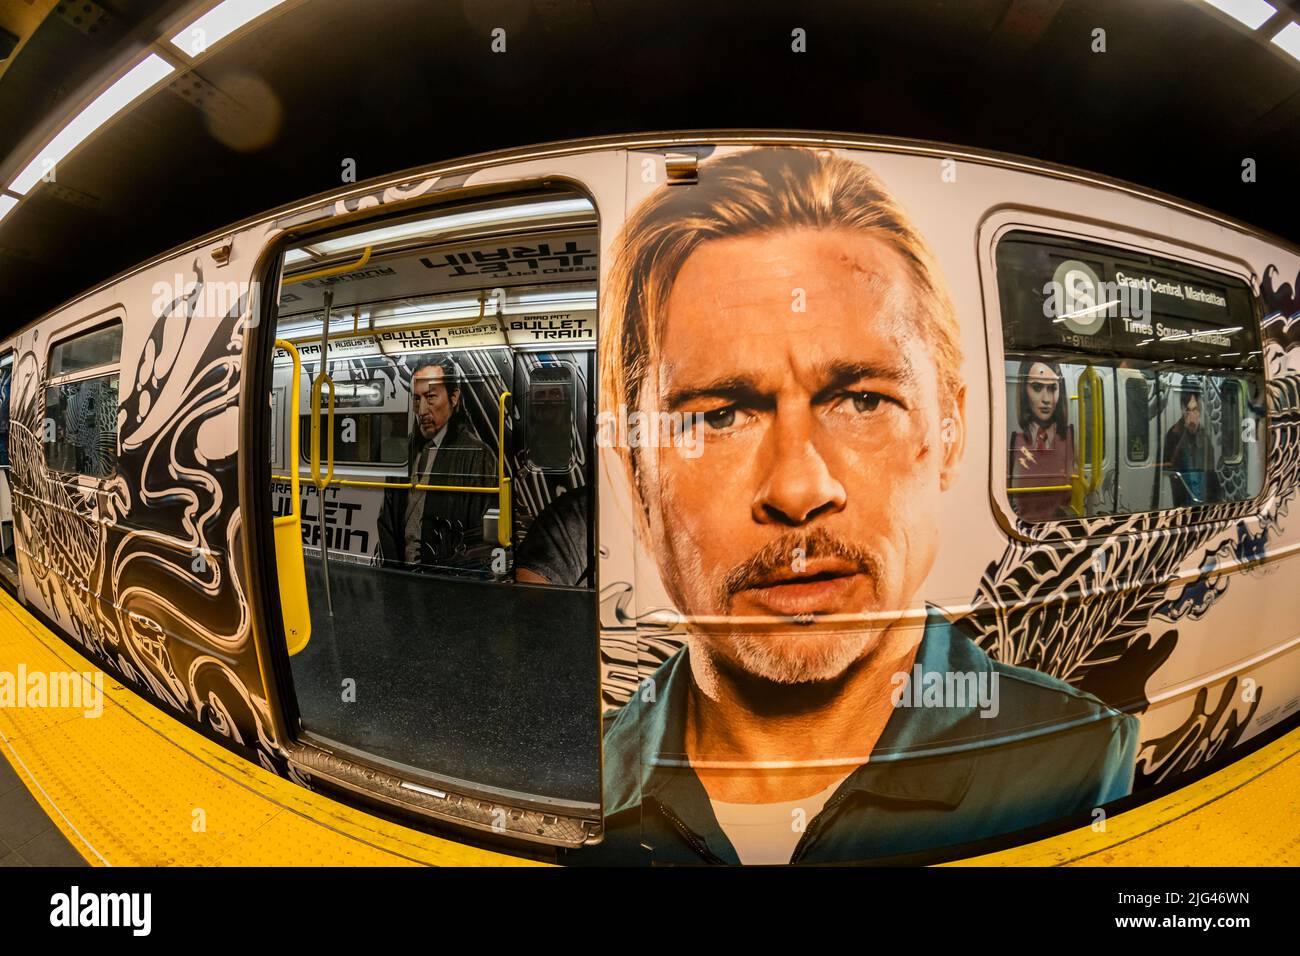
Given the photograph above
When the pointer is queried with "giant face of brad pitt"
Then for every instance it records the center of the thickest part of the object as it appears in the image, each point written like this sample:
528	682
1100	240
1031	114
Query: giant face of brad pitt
814	349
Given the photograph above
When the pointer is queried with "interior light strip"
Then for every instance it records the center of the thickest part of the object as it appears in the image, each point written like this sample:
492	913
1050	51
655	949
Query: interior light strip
218	23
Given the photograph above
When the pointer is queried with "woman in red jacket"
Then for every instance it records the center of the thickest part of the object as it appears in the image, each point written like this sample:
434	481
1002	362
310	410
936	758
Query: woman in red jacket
1042	449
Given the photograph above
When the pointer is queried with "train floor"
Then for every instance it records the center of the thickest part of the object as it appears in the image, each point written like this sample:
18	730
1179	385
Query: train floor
486	682
129	787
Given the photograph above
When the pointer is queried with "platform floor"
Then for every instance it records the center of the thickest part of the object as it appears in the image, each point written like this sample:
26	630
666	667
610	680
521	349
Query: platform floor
27	836
133	787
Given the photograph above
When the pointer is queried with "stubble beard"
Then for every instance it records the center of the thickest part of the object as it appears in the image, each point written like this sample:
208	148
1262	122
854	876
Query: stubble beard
791	651
790	657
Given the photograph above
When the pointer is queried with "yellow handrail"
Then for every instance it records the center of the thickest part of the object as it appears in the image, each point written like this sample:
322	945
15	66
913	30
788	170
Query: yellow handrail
1093	439
503	499
328	271
317	387
1023	490
1082	461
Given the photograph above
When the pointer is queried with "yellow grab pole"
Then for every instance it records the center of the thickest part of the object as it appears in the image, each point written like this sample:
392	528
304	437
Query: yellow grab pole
291	574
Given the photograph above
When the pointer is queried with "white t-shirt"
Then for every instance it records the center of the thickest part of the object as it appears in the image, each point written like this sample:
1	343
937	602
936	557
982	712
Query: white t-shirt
769	832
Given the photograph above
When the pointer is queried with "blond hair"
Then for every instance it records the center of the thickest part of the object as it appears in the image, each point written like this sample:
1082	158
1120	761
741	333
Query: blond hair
762	190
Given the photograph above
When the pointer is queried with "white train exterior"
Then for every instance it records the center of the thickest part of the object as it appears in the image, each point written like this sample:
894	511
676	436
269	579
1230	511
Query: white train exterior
157	565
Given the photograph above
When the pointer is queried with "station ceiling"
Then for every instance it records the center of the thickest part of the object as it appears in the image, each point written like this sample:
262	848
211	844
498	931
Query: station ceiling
1180	97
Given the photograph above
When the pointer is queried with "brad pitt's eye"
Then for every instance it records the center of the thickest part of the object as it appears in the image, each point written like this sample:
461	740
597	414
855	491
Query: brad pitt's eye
867	401
721	418
863	405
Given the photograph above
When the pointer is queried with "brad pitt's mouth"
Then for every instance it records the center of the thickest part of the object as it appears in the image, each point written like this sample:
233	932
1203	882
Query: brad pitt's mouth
821	588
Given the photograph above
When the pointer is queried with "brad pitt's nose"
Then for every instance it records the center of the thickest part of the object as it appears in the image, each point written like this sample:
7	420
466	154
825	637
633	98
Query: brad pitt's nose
799	486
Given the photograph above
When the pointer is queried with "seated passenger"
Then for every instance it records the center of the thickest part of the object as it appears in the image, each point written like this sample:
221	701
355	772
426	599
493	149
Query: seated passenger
419	528
554	551
1189	458
1042	450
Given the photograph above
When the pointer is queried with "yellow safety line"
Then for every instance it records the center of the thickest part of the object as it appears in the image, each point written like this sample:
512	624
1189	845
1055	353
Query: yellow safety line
135	787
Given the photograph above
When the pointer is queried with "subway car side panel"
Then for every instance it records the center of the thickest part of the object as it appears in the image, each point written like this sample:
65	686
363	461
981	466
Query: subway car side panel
777	507
1177	617
141	562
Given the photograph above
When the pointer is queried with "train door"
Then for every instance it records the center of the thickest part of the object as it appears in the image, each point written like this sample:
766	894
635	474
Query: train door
430	397
8	555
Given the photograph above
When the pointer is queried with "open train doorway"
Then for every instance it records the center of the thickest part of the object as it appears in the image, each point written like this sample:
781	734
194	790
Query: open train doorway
431	443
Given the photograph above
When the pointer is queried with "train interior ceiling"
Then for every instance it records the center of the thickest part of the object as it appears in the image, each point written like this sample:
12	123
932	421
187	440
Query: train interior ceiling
431	403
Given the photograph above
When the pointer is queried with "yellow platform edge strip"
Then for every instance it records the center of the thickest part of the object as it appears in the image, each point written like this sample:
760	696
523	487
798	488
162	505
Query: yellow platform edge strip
136	787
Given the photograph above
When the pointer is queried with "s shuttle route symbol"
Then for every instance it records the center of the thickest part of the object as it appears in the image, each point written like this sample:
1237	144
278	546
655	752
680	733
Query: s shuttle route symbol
1080	304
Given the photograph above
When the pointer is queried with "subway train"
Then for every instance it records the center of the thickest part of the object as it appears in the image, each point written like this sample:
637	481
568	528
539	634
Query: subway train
700	497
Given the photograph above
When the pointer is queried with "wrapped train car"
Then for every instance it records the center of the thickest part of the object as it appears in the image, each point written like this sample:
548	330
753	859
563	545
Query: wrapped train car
699	498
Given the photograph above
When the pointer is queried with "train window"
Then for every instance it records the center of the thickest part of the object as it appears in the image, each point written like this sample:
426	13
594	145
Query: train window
81	398
1041	463
359	393
1129	381
101	346
362	438
550	417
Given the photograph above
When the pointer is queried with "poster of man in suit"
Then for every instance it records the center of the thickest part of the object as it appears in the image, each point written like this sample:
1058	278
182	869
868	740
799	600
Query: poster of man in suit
421	528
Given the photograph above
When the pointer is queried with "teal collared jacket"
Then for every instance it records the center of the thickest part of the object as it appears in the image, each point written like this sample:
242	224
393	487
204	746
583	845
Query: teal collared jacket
938	776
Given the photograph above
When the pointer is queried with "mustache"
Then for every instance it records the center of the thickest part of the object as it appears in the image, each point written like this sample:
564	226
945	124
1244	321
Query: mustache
775	559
